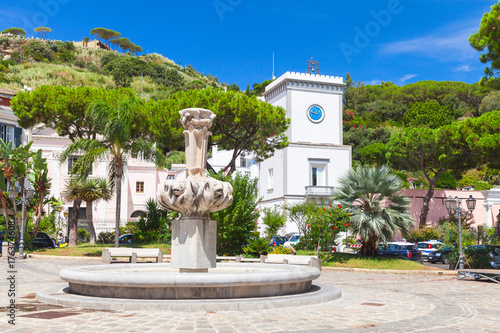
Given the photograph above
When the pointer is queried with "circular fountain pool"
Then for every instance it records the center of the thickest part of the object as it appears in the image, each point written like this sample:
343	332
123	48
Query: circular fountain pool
160	281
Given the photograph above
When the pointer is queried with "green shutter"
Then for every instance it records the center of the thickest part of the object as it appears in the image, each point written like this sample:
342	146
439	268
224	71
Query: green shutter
18	136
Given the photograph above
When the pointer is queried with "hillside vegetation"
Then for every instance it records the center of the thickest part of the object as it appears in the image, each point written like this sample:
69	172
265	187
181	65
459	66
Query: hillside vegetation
36	62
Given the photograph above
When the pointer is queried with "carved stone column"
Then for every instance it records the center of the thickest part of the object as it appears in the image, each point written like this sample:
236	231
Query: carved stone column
195	197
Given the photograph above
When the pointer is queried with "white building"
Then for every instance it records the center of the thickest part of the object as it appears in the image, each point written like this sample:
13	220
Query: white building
310	167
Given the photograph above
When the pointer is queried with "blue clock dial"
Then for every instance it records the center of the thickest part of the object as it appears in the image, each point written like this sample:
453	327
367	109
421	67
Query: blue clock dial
315	113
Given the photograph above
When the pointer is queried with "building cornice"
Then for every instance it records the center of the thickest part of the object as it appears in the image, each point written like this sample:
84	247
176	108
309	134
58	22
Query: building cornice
305	82
318	145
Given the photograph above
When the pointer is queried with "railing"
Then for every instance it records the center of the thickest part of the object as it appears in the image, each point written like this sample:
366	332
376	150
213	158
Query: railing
319	191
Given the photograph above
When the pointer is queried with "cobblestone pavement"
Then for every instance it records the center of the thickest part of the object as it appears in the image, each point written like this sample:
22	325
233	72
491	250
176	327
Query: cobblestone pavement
370	303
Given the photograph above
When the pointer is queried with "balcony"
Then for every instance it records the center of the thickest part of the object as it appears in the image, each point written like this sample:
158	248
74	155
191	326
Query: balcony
319	191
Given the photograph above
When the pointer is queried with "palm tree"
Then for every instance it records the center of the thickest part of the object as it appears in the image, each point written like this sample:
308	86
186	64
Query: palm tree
377	211
86	41
120	138
42	185
91	190
15	163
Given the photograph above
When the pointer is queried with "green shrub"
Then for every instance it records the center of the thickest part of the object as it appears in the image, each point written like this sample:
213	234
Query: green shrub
236	223
92	67
80	64
156	225
83	235
47	224
39	51
257	247
476	259
106	237
16	57
422	234
274	219
282	250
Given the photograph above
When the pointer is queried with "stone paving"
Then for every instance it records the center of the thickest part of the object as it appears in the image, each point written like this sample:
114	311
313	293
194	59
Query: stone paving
370	303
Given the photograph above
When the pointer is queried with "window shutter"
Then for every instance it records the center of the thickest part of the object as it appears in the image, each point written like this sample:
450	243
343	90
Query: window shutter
18	136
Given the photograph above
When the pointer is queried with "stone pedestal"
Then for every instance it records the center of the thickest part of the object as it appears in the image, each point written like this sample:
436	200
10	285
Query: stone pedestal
194	244
5	250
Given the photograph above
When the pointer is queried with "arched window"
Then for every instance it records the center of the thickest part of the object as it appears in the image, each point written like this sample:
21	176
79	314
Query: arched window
138	213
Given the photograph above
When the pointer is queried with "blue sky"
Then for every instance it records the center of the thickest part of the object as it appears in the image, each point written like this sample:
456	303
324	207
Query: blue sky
402	41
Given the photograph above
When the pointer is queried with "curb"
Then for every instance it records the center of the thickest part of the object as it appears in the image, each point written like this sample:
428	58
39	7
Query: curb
390	271
59	295
41	256
323	268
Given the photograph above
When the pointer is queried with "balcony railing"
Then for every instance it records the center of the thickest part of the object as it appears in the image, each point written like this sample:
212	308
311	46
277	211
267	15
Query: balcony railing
319	191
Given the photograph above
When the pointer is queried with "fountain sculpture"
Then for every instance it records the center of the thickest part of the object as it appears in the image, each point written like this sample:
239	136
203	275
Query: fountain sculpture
195	197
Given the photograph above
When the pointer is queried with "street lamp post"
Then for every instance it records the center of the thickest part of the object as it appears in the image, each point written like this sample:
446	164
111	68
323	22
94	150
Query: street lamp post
59	209
453	206
498	224
28	194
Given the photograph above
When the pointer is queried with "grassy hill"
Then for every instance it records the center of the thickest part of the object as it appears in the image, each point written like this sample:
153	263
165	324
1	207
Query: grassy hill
34	62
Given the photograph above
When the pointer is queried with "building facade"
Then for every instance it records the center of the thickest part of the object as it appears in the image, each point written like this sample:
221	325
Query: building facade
311	166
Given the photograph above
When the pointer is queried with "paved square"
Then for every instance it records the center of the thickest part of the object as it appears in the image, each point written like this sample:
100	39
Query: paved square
370	303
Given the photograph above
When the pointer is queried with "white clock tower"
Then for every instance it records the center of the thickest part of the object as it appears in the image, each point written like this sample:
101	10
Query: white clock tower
316	158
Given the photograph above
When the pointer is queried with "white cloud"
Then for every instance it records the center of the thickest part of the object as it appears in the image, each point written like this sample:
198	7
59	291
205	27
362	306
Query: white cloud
374	82
407	77
450	43
464	68
7	17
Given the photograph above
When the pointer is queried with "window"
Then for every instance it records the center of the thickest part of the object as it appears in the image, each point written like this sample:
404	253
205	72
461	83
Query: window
318	175
9	133
71	162
270	179
139	187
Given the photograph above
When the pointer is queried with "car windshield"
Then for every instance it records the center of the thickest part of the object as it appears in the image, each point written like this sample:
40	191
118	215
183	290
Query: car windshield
294	238
408	247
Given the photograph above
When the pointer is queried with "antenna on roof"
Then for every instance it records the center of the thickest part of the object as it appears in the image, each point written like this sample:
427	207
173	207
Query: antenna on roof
274	77
312	65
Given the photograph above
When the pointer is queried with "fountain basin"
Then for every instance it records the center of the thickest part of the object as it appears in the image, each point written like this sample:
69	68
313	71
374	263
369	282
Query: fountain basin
160	281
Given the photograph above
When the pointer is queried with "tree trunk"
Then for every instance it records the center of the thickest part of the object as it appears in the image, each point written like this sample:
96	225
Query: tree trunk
39	215
427	199
16	218
118	206
209	167
73	222
90	222
3	199
369	247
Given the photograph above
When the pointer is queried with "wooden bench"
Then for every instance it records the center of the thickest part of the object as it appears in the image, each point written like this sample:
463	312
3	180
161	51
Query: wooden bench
131	253
293	260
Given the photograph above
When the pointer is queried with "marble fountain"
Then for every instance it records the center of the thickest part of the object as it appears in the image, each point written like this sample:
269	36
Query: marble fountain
193	280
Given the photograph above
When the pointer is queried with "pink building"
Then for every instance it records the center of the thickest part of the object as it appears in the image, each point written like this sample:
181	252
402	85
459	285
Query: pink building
487	205
140	181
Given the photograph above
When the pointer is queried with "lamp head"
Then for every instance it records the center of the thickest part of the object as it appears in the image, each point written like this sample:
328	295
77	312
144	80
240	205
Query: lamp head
12	193
471	203
450	204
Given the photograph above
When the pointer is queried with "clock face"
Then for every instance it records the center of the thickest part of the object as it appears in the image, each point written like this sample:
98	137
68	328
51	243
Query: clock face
315	113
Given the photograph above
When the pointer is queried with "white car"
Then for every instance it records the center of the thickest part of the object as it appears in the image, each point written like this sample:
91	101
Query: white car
429	246
293	241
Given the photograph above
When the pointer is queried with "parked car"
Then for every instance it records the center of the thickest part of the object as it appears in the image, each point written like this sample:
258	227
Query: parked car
440	255
277	241
42	240
428	247
126	239
493	251
293	241
401	250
